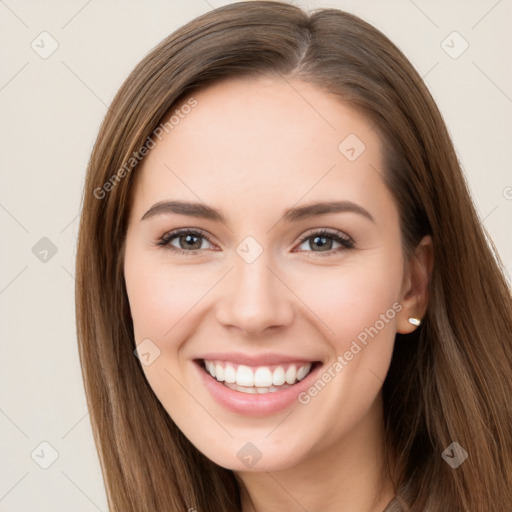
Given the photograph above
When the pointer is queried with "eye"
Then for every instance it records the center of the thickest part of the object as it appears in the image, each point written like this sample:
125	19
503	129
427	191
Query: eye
188	241
324	239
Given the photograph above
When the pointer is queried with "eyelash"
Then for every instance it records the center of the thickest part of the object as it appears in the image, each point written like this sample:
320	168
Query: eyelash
344	241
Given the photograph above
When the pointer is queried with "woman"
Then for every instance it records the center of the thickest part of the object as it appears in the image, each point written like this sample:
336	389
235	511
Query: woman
228	366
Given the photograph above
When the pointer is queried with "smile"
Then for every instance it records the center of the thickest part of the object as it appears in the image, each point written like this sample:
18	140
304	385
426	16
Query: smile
259	379
253	390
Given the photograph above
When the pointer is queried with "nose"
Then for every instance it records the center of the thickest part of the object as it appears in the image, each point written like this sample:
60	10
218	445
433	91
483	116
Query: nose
255	298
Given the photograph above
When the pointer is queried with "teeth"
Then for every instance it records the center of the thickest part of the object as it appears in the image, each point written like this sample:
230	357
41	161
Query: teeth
261	377
278	377
229	374
254	390
244	376
219	372
291	374
302	372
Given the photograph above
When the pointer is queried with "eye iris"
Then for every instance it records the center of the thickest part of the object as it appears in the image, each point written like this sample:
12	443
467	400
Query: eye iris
322	244
189	238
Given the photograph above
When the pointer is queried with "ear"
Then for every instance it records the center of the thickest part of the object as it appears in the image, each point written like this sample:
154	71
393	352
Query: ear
414	293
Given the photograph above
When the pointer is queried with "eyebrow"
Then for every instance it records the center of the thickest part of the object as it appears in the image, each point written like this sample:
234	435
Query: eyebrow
296	214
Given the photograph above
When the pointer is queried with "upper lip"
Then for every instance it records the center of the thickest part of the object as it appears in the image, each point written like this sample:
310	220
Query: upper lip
254	360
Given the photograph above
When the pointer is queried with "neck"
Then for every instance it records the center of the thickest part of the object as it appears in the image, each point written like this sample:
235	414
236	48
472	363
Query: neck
349	475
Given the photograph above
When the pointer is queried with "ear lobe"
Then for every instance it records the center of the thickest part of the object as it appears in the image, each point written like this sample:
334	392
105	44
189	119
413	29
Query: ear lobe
415	290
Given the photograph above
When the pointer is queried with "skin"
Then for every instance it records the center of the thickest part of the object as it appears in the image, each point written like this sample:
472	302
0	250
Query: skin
253	149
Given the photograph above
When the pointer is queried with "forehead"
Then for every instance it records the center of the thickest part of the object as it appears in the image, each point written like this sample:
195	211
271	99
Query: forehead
262	141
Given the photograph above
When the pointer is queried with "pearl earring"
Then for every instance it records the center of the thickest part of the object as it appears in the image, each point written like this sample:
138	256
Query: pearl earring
414	321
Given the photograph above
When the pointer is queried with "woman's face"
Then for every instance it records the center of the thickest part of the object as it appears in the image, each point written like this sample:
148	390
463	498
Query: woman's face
264	280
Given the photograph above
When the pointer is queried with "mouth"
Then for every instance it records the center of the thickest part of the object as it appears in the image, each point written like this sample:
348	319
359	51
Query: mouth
257	379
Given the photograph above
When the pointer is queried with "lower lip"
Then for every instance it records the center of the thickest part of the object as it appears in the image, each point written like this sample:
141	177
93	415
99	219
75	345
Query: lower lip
254	404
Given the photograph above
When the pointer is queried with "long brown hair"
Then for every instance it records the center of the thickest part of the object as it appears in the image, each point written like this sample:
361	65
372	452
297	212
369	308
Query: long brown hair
449	381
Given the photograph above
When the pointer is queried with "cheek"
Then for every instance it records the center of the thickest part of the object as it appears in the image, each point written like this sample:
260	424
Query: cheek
160	296
350	299
355	306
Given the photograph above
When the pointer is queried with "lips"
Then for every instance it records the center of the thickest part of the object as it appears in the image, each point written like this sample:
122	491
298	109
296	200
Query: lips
255	404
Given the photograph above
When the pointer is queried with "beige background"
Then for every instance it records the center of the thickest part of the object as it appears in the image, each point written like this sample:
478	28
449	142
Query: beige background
51	110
